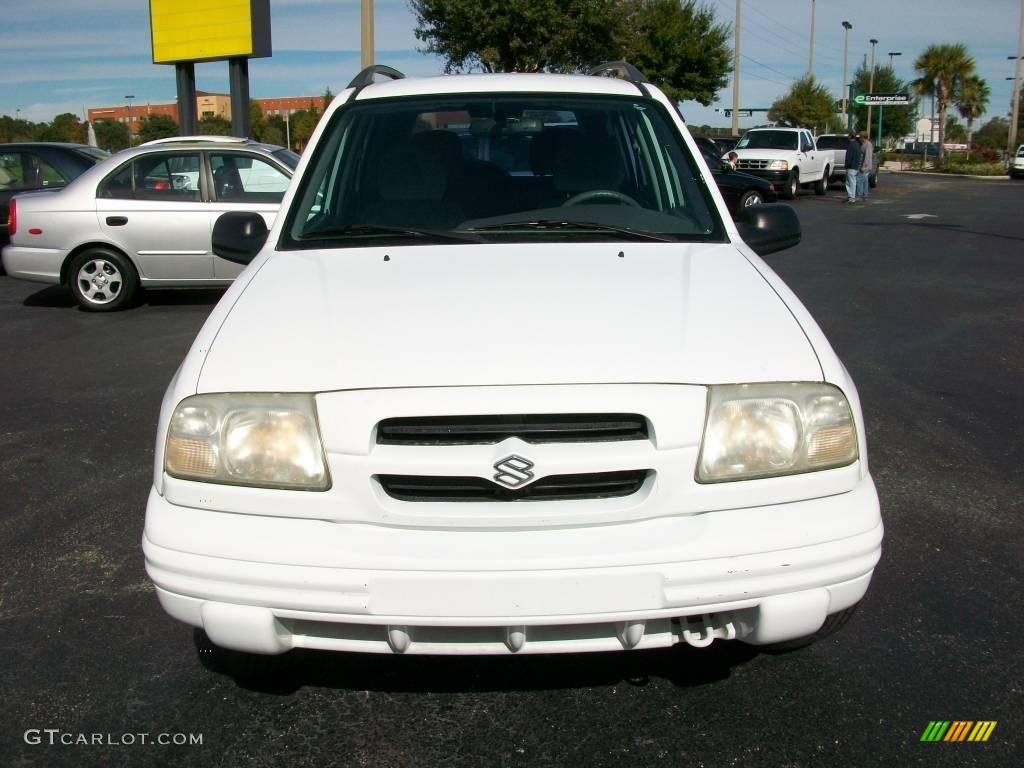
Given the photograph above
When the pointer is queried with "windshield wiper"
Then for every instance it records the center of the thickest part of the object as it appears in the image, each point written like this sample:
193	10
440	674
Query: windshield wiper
372	230
545	225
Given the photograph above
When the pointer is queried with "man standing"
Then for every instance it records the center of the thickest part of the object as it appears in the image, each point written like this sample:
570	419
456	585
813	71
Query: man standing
853	158
867	152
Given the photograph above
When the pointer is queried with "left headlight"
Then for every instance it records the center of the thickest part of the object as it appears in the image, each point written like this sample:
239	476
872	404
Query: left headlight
264	440
763	430
778	165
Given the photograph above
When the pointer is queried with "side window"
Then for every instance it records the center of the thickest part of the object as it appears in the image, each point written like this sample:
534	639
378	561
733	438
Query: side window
24	170
166	176
806	145
241	178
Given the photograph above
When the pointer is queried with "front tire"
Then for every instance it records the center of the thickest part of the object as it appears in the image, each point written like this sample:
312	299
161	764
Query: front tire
873	180
821	185
102	280
792	185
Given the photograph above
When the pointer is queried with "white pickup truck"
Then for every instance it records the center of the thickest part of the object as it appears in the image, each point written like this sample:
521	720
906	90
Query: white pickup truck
787	157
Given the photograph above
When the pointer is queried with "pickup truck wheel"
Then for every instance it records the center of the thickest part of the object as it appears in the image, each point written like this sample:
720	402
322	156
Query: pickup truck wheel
792	185
102	280
749	198
821	186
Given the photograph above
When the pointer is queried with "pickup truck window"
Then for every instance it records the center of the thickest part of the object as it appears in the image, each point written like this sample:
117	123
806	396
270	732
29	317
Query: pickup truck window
768	140
514	167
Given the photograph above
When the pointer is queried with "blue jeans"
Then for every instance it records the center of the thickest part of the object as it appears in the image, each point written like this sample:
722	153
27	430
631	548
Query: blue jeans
851	183
862	185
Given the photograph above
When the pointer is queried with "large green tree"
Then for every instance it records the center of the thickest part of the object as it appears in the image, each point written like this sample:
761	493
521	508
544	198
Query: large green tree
808	104
993	134
156	127
679	47
941	69
676	43
65	127
896	121
110	134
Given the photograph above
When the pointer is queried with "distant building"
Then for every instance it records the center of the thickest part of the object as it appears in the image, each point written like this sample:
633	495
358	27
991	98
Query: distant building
207	105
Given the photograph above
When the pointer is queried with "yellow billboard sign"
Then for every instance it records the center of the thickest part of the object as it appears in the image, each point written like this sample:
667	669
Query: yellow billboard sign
208	30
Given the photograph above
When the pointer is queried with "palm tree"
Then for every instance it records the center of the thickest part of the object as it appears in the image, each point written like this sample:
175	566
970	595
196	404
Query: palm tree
971	102
942	69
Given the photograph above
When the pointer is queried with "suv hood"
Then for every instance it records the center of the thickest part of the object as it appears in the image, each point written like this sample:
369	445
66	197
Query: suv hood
479	315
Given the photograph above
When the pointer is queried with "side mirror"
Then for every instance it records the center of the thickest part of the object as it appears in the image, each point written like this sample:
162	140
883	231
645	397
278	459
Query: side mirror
769	228
239	235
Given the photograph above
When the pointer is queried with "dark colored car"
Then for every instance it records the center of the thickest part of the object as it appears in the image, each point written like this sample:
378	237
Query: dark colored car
740	190
32	165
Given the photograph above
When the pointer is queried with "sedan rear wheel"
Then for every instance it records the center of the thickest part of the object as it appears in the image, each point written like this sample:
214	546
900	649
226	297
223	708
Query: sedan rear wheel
102	280
749	198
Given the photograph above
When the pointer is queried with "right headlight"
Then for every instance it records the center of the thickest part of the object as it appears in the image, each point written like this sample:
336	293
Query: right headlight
764	430
255	439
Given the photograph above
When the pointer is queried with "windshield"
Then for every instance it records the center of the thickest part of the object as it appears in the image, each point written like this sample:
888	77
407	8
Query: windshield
474	168
768	140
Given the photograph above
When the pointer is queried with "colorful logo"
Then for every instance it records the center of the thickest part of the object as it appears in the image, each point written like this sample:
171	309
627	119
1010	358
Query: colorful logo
958	730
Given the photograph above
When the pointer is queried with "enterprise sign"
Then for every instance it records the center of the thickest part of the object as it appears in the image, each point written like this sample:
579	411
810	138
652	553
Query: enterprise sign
209	30
886	99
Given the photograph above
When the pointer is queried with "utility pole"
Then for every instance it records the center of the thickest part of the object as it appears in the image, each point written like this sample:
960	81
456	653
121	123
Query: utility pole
810	59
366	34
847	26
1012	147
736	76
871	81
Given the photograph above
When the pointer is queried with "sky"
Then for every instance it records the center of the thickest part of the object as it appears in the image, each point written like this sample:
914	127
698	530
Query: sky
78	54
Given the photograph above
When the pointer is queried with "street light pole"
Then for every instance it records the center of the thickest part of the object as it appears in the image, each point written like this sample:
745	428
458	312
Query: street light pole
1016	86
871	81
891	54
736	76
366	33
810	60
847	26
129	99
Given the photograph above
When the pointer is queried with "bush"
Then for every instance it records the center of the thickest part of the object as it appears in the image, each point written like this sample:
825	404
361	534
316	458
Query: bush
963	166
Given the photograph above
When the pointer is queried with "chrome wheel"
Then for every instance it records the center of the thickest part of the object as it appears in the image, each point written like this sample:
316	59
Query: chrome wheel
99	281
752	198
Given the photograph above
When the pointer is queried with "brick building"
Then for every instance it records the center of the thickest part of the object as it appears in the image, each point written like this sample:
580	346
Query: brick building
207	105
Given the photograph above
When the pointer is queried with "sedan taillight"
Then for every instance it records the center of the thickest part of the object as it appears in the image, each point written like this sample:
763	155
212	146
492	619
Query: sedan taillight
12	217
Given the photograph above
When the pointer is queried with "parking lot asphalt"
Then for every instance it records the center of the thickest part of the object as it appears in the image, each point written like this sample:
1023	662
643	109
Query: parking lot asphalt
919	291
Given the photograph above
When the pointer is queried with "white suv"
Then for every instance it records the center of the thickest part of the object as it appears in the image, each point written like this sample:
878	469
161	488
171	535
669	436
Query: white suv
504	377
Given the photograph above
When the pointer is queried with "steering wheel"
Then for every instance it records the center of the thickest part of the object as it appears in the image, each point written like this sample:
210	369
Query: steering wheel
609	194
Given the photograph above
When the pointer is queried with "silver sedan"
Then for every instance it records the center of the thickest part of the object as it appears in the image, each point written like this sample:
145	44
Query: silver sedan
143	218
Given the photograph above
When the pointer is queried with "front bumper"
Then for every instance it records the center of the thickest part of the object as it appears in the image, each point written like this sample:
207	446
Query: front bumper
385	589
776	177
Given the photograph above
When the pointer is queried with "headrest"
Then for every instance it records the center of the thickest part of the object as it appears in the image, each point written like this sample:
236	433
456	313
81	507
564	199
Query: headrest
406	173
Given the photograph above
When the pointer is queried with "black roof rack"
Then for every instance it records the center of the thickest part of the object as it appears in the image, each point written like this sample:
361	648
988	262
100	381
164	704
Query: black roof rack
620	69
365	77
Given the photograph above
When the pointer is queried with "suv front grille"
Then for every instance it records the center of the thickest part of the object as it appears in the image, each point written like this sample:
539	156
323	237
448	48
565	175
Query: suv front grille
531	428
597	485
